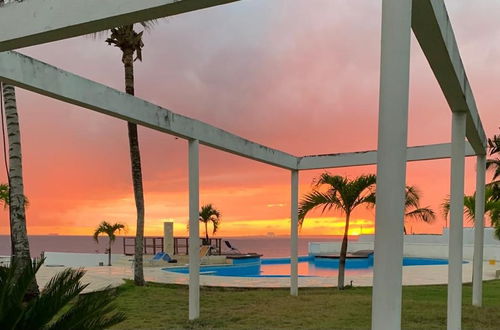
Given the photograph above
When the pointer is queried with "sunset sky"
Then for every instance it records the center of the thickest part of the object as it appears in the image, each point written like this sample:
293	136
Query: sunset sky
299	76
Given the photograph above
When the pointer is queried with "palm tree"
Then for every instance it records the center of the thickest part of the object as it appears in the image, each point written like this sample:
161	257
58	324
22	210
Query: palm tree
494	163
209	213
413	209
130	42
108	229
491	208
16	198
344	195
59	306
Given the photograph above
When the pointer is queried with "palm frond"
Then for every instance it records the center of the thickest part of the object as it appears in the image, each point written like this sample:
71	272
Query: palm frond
108	229
317	199
14	283
91	311
49	310
445	207
58	292
425	214
209	213
494	164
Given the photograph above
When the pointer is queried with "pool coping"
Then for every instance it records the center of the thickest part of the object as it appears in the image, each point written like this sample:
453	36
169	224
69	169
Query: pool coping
100	277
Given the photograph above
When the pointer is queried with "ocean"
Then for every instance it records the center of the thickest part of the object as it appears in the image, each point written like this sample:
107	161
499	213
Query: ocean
269	247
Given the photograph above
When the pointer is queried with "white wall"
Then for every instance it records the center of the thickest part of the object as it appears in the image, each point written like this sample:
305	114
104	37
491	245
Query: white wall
78	259
431	246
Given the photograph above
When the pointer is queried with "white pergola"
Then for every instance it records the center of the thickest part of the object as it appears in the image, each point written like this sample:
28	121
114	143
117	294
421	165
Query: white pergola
51	20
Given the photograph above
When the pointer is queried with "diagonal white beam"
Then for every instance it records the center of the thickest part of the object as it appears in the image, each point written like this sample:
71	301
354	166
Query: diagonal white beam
39	77
51	20
428	152
432	27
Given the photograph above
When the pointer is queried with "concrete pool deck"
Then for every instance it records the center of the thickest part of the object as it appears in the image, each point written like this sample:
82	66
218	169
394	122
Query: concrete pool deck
100	277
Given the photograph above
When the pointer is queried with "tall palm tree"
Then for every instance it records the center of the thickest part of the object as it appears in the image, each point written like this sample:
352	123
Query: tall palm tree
16	198
130	42
59	306
209	213
110	230
343	195
491	208
413	209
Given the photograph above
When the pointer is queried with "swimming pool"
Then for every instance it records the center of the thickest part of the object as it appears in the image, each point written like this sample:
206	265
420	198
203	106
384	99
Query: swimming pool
308	266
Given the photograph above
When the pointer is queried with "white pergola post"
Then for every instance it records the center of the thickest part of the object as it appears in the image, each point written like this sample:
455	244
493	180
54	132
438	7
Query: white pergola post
194	231
294	234
477	274
455	245
391	168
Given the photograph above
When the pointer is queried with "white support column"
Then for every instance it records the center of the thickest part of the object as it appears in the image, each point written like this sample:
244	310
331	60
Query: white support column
455	245
477	276
391	169
294	234
194	231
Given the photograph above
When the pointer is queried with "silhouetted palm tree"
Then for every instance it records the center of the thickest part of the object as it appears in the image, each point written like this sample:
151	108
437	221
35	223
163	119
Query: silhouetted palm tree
52	308
110	230
130	42
209	213
491	208
413	209
343	195
494	163
17	212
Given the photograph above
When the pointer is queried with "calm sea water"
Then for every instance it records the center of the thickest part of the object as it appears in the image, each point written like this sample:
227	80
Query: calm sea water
268	246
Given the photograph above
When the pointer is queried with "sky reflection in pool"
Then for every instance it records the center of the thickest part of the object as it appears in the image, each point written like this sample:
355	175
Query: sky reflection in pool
308	266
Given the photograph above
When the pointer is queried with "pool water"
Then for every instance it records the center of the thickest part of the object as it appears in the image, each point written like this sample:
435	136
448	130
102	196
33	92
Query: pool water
308	266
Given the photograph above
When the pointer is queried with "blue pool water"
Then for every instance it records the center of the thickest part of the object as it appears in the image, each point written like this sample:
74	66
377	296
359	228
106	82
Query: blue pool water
308	266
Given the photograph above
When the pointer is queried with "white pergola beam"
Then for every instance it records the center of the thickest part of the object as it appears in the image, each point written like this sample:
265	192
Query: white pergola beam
51	20
42	78
418	153
432	28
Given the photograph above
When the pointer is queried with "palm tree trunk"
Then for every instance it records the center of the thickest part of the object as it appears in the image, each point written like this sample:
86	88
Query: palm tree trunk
109	252
206	232
19	233
343	253
404	229
135	158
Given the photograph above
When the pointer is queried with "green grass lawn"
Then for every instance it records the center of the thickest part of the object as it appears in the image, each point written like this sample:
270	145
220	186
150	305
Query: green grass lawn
424	307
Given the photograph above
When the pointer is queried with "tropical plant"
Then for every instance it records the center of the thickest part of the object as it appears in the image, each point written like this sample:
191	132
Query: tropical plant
4	194
343	195
491	208
16	199
413	209
59	306
110	230
209	213
494	163
130	42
